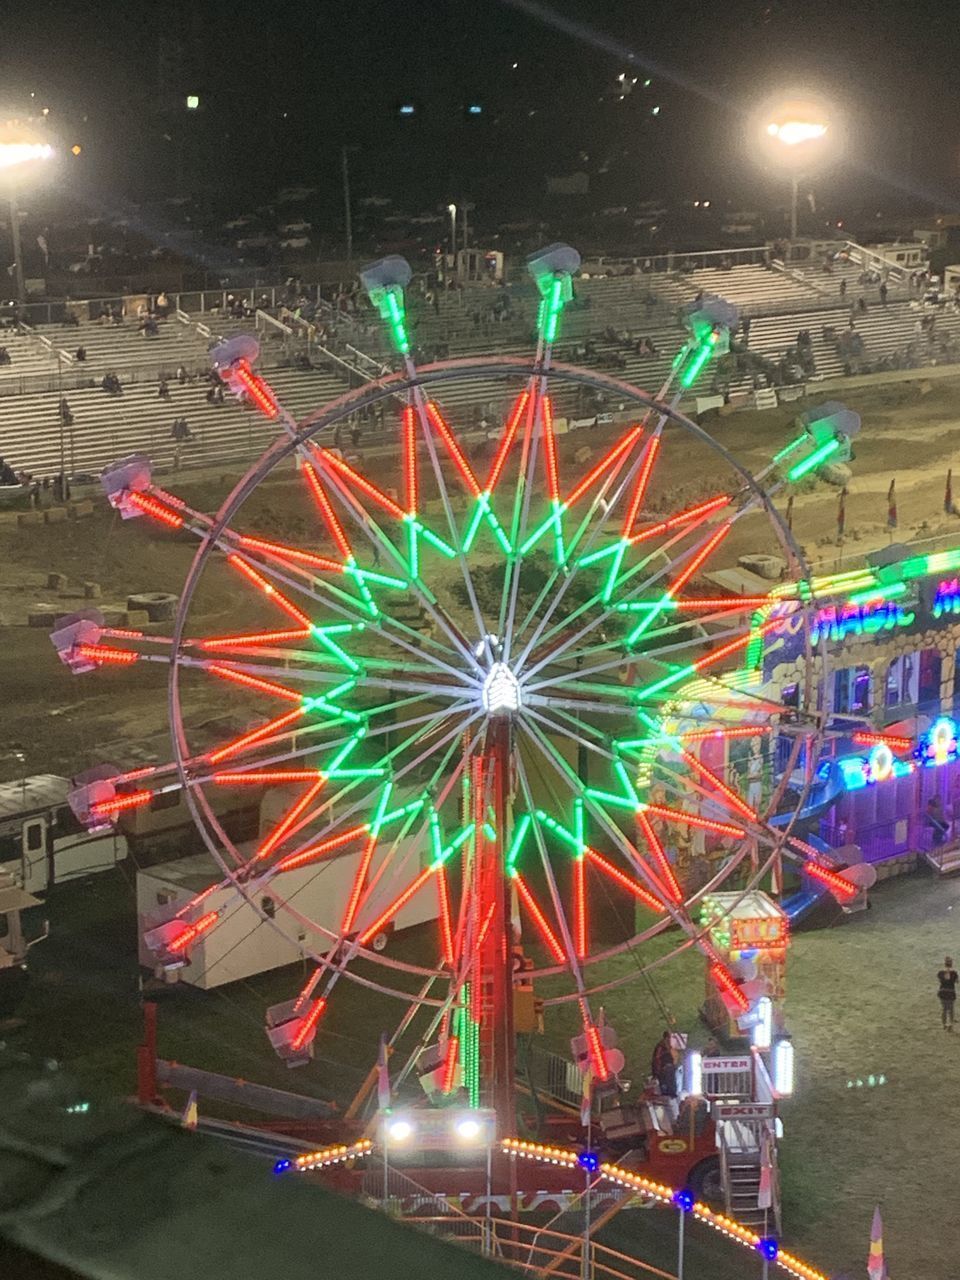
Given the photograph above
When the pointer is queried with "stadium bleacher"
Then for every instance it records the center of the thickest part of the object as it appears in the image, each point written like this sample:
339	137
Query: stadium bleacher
601	329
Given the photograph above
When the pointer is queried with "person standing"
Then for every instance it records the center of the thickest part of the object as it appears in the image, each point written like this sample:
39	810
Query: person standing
947	994
663	1066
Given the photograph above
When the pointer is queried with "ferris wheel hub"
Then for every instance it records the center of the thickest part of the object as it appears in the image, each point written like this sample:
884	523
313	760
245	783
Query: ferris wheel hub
500	691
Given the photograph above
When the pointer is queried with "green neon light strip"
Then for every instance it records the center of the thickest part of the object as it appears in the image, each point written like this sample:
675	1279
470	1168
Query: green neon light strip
475	519
674	678
446	853
395	319
380	811
611	582
560	831
619	802
395	814
594	556
814	460
519	835
323	635
879	594
790	448
689	377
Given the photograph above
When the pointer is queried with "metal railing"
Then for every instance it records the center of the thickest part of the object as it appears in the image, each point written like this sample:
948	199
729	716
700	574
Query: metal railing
728	1077
544	1251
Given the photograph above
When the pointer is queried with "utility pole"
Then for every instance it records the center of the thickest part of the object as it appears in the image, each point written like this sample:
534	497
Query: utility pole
17	251
347	216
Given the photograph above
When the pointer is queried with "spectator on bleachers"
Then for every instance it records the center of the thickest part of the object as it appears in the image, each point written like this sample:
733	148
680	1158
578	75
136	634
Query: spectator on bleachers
5	356
180	431
162	305
7	473
883	293
80	355
71	318
745	330
843	288
111	385
66	413
861	303
182	375
149	327
645	347
163	389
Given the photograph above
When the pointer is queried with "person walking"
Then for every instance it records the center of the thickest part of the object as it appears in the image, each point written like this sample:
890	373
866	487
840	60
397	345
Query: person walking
843	288
947	993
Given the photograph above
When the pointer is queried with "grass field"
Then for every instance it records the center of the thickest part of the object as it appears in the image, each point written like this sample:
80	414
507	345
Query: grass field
861	1001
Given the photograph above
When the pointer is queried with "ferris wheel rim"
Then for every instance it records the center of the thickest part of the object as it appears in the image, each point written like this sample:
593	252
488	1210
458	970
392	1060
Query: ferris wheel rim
284	447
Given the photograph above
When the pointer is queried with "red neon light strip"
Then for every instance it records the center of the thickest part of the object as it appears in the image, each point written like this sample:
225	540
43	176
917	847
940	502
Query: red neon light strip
580	907
316	851
273	775
528	900
550	452
290	553
119	803
660	858
269	590
446	929
683	517
248	739
253	638
509	432
605	462
192	932
882	739
722	978
643	479
102	653
254	682
359	884
632	886
282	829
740	643
729	795
396	905
256	389
170	499
410	460
363	484
486	925
450	1064
843	888
334	527
124	633
690	569
453	448
152	507
597	1057
308	1024
691	820
745	731
134	774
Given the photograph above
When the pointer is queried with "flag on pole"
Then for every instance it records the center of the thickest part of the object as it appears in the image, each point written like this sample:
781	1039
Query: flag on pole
948	508
383	1076
790	513
842	513
876	1267
190	1112
586	1100
892	505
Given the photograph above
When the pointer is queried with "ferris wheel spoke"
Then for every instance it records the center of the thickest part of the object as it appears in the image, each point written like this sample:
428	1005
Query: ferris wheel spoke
610	828
336	471
549	593
355	806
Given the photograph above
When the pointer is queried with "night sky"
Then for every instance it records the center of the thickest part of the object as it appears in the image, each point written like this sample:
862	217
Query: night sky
284	86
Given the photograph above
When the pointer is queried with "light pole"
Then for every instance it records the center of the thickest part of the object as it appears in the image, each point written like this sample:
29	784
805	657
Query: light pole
347	215
18	147
452	210
796	135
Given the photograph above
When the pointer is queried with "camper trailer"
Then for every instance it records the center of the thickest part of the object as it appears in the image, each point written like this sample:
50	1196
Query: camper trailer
41	842
13	943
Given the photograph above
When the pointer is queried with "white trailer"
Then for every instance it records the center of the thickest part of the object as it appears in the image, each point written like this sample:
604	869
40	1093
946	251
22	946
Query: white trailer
243	943
41	841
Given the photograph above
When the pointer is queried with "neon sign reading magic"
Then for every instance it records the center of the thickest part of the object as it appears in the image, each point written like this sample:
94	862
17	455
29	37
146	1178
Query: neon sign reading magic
837	621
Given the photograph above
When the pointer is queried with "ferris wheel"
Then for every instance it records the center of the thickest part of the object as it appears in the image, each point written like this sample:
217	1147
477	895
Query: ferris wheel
488	683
